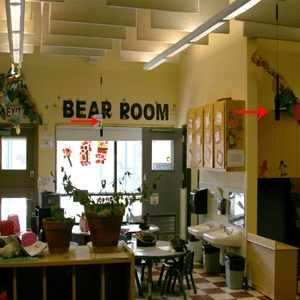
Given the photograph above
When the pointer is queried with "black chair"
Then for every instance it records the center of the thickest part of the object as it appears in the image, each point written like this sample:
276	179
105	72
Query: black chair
183	267
170	263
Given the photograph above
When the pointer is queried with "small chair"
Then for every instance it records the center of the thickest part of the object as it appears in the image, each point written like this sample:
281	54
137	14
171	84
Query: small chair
170	263
183	267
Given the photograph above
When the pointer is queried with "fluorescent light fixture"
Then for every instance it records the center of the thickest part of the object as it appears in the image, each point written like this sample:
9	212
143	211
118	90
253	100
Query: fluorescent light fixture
157	64
206	32
231	11
15	26
179	50
242	9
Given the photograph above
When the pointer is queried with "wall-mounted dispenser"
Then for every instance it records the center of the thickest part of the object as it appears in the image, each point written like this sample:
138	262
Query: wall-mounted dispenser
198	201
222	206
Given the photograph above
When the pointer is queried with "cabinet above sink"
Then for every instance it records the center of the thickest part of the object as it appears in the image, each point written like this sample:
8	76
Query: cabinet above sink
216	136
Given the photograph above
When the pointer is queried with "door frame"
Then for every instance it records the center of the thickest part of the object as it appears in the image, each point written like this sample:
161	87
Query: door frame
29	191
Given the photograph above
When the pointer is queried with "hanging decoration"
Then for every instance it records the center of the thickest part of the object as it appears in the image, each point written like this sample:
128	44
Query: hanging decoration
288	100
67	154
101	152
13	91
85	148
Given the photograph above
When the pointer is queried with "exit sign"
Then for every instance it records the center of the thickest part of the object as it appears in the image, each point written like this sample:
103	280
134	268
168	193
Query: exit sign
13	109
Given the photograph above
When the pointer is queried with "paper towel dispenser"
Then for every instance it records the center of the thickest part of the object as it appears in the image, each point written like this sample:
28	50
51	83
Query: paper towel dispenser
198	201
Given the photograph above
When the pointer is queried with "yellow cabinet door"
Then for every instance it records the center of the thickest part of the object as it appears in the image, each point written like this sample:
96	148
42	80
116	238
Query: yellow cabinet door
229	135
208	112
219	135
191	115
199	125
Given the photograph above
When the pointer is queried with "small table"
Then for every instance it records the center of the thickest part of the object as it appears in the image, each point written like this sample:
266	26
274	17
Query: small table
162	250
133	228
129	228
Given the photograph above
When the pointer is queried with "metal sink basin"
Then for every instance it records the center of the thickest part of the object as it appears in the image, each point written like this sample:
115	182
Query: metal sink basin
226	237
199	230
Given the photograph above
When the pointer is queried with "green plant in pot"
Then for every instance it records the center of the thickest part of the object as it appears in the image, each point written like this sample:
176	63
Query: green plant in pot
104	215
58	230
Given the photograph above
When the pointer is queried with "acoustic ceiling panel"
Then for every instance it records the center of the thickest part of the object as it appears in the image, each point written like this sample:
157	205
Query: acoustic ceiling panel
191	6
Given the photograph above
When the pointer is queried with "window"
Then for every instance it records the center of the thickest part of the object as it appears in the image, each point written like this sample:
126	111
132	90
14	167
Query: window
91	161
15	206
162	155
13	153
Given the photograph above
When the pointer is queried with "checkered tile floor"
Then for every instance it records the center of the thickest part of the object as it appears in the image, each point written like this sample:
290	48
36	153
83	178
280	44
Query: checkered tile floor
209	287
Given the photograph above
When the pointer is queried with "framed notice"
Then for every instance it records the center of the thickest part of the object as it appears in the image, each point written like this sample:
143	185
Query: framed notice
235	158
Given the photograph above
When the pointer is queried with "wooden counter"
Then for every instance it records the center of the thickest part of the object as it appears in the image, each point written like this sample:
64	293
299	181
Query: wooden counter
272	267
79	274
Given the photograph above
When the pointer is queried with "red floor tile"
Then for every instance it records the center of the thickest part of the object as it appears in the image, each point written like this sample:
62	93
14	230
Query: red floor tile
239	295
200	280
201	297
220	284
213	291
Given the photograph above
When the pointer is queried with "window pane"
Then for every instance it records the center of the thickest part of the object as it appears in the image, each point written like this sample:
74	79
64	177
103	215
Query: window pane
88	163
15	206
129	155
162	155
13	153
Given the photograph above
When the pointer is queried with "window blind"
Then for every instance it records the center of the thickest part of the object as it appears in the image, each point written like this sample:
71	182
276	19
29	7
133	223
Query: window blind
85	133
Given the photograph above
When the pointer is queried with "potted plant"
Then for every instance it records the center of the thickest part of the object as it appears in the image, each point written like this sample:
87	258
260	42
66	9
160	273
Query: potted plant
104	215
58	230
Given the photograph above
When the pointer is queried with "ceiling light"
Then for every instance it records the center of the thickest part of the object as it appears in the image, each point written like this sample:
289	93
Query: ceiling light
231	11
15	26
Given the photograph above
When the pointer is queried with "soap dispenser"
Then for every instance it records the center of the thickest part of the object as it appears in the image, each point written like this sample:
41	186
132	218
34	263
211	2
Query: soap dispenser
221	202
222	206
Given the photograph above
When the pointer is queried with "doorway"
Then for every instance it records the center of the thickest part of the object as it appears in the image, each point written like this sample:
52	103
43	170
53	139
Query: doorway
163	152
18	172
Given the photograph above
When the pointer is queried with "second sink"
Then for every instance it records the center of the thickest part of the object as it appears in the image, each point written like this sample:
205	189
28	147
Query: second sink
199	230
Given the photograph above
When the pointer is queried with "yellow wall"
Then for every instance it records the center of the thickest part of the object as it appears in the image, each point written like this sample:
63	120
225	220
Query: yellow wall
52	79
209	73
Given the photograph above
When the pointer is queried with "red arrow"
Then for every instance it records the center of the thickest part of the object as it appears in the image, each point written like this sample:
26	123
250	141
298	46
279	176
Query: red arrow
261	112
93	121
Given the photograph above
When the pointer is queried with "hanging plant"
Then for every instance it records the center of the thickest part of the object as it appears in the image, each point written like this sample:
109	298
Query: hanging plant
13	90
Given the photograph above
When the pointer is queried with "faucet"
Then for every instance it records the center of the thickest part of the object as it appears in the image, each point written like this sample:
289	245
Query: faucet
228	231
210	224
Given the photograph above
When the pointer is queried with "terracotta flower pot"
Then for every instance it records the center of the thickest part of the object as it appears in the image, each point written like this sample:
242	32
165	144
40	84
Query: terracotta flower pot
105	232
58	235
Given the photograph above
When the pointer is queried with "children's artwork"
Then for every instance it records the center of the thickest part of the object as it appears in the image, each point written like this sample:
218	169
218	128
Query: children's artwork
67	154
217	137
231	122
191	123
239	128
218	120
101	152
263	169
198	157
230	138
282	168
85	150
191	138
208	136
220	158
208	155
207	120
198	123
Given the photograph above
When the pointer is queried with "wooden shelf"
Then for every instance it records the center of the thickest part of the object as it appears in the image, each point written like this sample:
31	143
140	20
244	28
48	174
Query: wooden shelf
75	275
